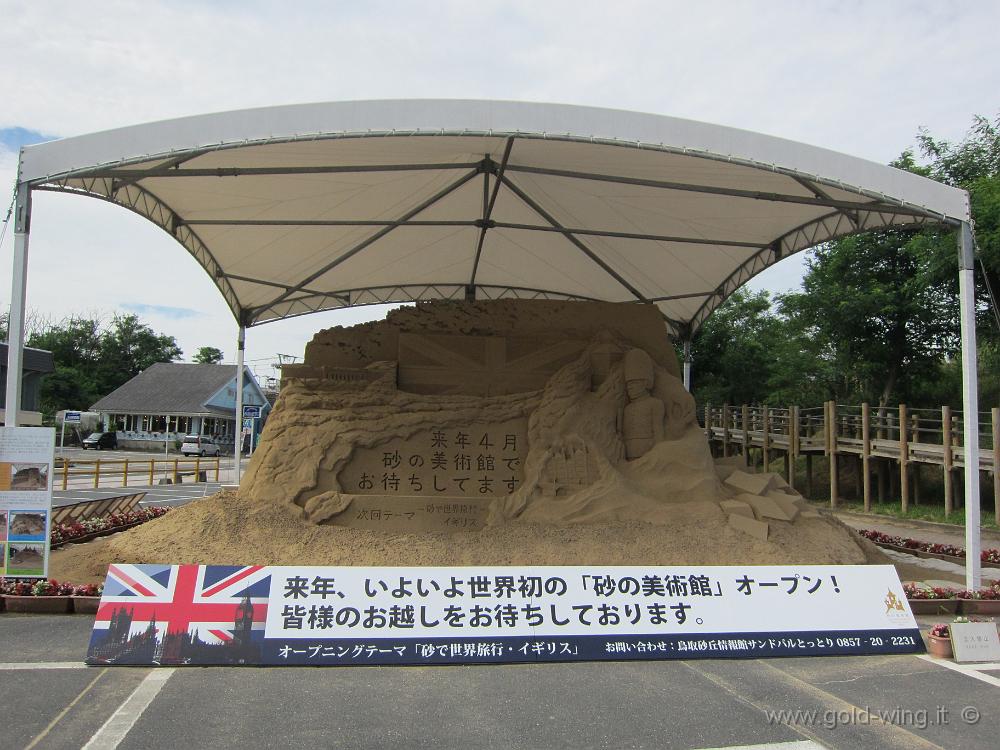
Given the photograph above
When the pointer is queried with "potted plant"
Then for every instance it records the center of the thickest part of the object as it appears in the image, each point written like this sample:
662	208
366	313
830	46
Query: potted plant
41	597
939	641
86	598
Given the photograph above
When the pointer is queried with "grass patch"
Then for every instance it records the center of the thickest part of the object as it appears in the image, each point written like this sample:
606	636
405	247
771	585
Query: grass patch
916	512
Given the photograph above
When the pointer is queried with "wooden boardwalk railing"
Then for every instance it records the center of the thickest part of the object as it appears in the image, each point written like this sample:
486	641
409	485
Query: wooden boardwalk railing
119	472
901	435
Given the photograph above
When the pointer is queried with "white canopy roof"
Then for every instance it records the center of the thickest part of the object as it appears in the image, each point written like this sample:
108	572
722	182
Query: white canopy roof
297	209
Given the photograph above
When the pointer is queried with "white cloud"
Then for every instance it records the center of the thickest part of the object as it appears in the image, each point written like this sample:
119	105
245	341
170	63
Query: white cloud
851	76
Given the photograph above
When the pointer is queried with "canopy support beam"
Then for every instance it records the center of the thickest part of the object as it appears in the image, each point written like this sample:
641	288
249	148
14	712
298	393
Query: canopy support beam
970	405
488	212
18	299
575	240
241	339
452	187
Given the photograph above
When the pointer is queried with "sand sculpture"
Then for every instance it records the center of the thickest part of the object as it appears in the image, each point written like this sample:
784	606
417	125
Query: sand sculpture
506	432
457	416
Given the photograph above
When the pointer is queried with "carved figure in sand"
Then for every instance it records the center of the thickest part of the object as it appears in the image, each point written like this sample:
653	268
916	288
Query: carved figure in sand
642	419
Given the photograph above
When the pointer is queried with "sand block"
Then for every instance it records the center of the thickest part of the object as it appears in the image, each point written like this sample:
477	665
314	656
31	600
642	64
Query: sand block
754	484
724	467
786	502
756	529
735	506
765	507
777	481
809	513
802	503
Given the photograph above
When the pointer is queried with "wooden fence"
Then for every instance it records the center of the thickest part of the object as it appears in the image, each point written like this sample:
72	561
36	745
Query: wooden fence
900	435
119	472
104	506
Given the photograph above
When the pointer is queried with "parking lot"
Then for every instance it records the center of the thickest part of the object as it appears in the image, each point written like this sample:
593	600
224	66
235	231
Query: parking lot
52	700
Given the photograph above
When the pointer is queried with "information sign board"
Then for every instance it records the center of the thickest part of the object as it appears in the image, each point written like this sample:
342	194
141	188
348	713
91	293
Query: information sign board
72	417
26	458
194	614
251	412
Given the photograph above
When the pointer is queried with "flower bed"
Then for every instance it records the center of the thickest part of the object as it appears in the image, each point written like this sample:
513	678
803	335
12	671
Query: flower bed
49	596
89	528
942	551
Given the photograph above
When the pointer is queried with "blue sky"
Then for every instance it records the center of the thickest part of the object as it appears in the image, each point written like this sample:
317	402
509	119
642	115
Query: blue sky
847	75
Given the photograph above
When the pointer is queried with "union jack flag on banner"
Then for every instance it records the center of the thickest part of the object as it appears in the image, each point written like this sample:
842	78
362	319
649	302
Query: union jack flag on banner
168	613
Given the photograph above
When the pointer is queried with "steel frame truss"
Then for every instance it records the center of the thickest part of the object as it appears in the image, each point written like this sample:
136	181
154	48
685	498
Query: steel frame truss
121	185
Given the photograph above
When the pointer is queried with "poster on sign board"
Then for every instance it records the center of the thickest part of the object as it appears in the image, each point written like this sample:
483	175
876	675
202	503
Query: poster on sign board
26	460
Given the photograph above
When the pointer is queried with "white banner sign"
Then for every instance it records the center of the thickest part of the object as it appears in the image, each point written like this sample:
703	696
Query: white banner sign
200	614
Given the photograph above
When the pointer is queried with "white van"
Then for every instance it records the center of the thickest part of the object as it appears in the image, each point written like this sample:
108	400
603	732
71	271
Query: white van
199	445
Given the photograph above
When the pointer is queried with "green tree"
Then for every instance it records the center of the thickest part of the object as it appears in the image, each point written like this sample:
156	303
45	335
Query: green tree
93	358
129	346
208	355
872	309
732	353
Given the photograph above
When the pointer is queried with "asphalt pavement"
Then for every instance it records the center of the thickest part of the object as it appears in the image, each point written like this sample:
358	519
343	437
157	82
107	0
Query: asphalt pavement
52	701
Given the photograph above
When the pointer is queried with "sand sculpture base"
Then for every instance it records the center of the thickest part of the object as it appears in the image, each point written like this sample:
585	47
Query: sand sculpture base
503	432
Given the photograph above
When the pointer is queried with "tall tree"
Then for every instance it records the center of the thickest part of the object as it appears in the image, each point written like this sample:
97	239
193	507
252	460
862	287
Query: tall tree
208	355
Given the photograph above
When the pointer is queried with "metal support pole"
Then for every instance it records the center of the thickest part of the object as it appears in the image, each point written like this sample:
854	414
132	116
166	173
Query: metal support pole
970	405
238	453
687	366
18	297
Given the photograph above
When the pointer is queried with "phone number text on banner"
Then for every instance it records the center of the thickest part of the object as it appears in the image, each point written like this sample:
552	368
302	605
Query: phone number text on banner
192	614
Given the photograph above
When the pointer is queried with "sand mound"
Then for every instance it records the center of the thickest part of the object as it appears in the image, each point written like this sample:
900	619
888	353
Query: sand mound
225	530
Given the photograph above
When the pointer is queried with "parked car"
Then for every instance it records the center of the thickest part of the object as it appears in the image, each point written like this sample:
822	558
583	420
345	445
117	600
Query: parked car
199	445
101	441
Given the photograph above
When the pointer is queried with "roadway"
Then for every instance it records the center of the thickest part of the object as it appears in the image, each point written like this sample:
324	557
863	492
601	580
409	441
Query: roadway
52	700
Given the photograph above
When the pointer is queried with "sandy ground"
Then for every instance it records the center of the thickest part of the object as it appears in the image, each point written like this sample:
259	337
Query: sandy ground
222	529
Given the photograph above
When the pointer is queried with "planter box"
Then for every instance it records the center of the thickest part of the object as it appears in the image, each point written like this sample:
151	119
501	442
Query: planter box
989	607
933	555
934	606
96	534
85	605
41	605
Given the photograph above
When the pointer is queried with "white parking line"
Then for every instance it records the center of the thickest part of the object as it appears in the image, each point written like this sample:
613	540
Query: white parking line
120	723
970	670
797	745
21	665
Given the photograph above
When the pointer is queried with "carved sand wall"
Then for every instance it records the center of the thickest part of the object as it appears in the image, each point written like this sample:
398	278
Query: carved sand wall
455	416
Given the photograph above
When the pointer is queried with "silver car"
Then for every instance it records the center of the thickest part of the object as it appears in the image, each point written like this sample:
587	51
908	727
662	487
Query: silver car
199	445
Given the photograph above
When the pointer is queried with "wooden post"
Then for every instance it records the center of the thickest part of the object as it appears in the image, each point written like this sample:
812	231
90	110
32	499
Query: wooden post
832	439
197	467
746	435
217	461
866	456
125	474
996	465
175	471
904	459
765	451
152	469
725	430
65	472
97	474
809	475
793	443
949	489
